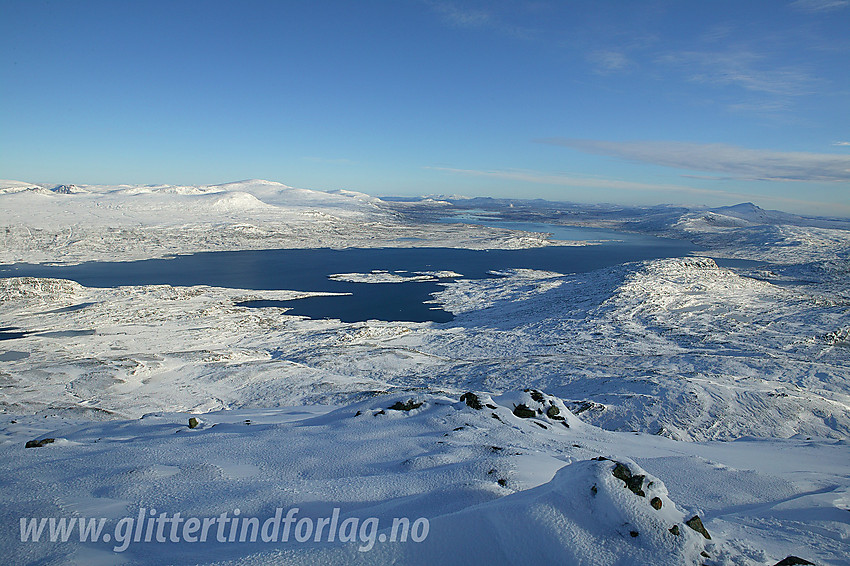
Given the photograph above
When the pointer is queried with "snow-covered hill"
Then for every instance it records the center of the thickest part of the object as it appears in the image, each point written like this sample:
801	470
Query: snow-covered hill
43	223
483	480
722	392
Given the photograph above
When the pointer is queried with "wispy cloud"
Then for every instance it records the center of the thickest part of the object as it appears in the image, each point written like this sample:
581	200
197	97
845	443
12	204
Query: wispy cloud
741	163
817	6
463	16
743	68
460	15
609	61
842	143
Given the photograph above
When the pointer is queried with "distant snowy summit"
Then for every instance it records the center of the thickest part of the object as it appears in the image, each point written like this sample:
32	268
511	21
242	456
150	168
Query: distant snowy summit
67	190
754	214
257	187
748	214
68	222
10	187
248	195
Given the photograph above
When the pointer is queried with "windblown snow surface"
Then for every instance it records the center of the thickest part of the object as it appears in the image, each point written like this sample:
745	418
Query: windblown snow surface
607	410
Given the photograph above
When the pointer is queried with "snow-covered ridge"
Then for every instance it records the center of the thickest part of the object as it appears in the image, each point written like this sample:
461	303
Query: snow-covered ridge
748	215
382	276
677	347
42	223
524	430
270	192
495	477
29	288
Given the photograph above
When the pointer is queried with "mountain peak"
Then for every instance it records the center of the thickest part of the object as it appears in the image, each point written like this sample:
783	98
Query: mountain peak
748	206
238	185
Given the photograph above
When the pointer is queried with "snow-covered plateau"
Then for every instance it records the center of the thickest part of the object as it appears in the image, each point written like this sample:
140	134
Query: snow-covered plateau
580	418
74	224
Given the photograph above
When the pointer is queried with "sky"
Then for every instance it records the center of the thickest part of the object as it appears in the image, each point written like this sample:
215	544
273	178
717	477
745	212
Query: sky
653	102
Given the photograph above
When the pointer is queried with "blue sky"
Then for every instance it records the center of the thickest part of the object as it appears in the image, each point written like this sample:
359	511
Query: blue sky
687	102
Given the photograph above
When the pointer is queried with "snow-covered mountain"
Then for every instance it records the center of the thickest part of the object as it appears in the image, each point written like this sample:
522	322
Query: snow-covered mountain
747	214
722	392
126	222
482	480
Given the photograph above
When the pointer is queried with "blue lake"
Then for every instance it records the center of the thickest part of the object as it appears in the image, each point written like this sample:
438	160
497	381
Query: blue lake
308	270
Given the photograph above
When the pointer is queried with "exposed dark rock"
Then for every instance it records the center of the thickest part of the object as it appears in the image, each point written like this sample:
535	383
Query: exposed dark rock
634	483
656	503
39	443
472	401
621	472
792	561
696	524
193	422
634	533
578	407
409	405
675	530
536	395
503	482
593	489
553	412
524	412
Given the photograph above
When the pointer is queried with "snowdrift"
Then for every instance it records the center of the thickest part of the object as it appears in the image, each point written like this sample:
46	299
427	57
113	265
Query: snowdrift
484	479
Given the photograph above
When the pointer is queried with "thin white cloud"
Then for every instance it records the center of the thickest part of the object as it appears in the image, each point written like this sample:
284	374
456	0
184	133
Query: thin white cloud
743	68
842	143
817	6
761	105
740	163
462	16
609	61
